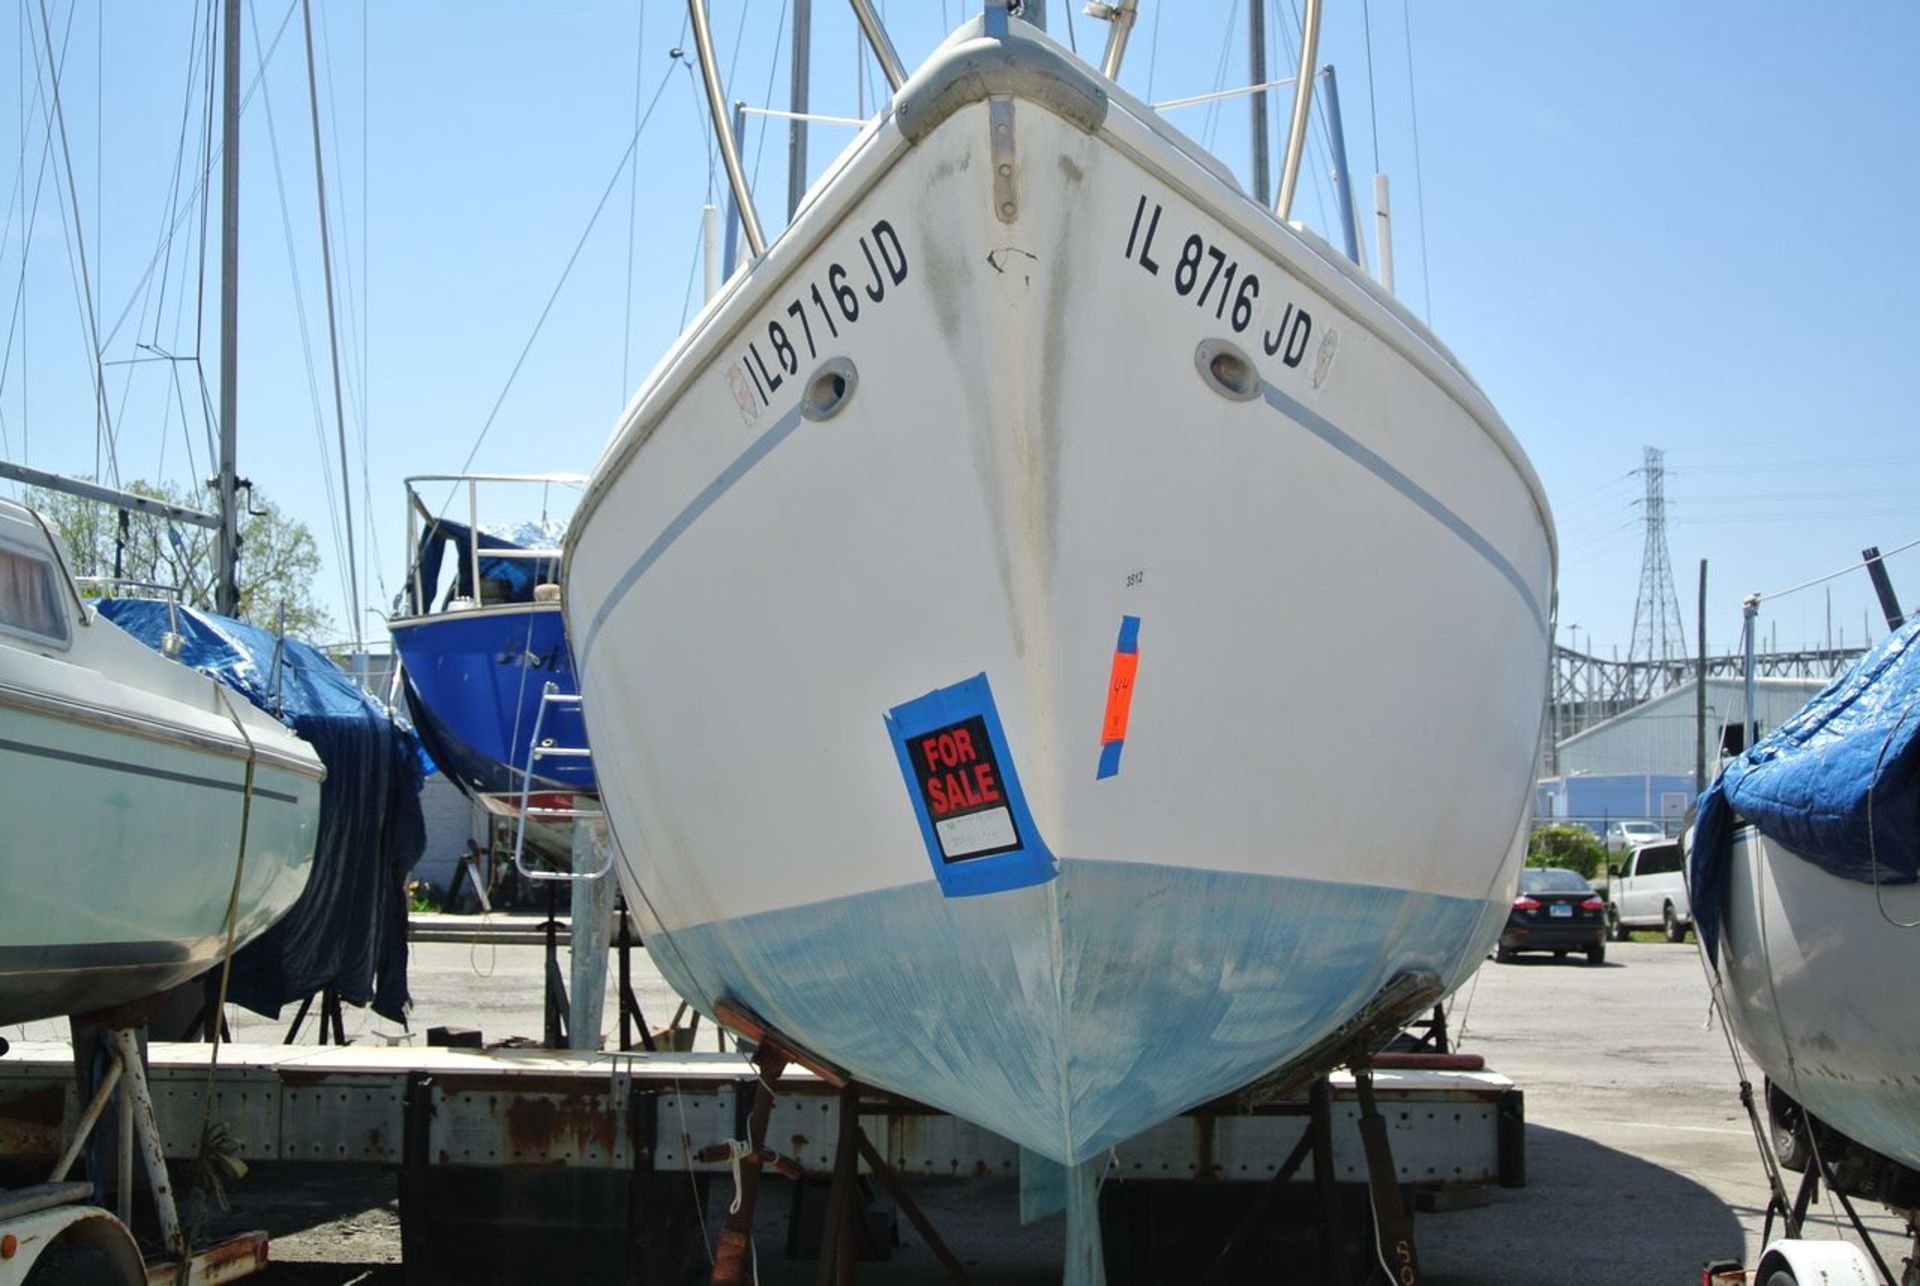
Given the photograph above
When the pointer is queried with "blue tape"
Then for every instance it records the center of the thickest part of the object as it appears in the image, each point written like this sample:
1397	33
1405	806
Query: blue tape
1028	861
1129	635
1109	760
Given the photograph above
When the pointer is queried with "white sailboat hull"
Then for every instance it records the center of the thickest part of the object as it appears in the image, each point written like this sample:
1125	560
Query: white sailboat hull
124	787
1333	586
1817	972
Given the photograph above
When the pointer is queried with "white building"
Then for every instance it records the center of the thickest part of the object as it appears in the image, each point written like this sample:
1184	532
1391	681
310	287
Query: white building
1660	736
1639	765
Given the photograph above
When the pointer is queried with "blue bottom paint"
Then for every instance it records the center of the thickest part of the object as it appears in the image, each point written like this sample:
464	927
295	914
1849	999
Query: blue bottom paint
474	682
1178	986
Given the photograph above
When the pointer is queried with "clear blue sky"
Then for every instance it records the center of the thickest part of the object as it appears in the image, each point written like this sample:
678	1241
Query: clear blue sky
1686	226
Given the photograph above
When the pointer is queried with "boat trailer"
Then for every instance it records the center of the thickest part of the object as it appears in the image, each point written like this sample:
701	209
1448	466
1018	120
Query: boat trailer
509	1157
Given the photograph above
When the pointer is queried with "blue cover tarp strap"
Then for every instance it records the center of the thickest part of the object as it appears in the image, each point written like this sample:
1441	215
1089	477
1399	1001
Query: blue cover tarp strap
348	930
1838	784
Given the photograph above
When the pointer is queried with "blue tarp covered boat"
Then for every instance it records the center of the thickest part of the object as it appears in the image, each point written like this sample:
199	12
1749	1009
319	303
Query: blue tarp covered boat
1805	880
477	660
1838	784
348	931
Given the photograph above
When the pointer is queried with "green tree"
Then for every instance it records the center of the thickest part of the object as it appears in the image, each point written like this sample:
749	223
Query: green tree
279	559
1574	847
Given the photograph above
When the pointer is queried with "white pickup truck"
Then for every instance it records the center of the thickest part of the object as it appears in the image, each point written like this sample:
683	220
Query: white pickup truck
1649	891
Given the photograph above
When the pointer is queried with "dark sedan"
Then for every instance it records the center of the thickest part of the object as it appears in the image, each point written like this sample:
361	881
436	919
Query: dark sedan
1557	911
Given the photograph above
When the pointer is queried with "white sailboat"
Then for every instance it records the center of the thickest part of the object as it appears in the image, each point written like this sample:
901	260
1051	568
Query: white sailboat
1058	641
1803	871
143	802
1805	955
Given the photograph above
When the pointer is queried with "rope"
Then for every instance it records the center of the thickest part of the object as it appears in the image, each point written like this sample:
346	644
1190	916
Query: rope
226	962
693	1181
1716	1002
736	1150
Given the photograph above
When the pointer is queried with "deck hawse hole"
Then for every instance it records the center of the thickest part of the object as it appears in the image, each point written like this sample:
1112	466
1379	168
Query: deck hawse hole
830	389
1226	370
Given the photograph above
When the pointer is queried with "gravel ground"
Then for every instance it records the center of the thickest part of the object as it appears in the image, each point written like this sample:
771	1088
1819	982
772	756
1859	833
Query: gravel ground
1640	1162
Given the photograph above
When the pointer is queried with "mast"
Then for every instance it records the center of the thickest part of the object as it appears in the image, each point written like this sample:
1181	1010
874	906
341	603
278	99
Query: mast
797	103
1257	75
1342	177
1302	106
226	585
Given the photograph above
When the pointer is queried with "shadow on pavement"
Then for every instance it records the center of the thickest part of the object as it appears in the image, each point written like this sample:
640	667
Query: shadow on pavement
1588	1213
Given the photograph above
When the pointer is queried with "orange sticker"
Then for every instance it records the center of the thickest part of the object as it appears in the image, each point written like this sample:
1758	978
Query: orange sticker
1119	696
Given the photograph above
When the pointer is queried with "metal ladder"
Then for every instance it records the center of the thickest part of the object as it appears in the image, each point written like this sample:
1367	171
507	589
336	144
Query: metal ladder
540	748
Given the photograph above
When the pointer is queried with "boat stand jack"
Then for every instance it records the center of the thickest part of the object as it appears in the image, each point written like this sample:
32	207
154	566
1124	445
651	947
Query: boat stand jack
844	1223
126	1078
733	1253
1392	1223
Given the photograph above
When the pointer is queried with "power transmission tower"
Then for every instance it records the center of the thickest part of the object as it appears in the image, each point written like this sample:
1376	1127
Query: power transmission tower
1659	638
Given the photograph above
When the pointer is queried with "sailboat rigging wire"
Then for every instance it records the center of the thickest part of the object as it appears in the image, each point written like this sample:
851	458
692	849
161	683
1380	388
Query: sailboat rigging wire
1153	49
693	271
1419	179
355	369
553	297
177	176
333	336
1373	106
633	205
1211	127
341	563
773	72
80	245
198	201
1850	567
30	214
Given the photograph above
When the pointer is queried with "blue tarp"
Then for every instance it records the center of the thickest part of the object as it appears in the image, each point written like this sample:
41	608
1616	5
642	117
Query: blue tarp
348	931
1838	784
508	580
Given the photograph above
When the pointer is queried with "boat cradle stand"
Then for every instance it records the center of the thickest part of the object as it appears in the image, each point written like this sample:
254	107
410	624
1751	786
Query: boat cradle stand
1390	1247
109	1057
510	1160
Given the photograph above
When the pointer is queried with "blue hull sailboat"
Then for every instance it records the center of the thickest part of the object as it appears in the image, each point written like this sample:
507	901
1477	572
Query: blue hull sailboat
485	666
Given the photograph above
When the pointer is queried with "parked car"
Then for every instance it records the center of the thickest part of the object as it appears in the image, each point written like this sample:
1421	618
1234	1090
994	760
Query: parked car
1649	892
1557	911
1623	837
